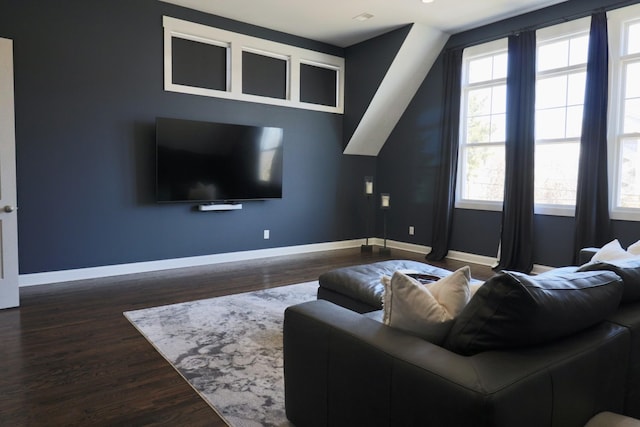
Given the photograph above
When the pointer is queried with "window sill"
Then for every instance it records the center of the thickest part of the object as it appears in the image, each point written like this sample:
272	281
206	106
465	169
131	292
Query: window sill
625	214
568	211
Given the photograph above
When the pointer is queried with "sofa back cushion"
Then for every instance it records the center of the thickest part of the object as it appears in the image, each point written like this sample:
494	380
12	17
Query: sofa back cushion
515	310
627	269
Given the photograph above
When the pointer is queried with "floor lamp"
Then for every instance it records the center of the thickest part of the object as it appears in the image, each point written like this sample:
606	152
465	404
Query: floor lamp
368	192
385	204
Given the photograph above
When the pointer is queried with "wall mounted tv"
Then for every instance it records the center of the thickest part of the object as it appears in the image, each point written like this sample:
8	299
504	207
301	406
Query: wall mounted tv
207	162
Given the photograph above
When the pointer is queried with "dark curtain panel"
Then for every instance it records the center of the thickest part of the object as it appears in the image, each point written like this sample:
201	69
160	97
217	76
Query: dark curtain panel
517	213
446	182
592	198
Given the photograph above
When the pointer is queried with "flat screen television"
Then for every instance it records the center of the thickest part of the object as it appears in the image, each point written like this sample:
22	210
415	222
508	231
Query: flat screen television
200	161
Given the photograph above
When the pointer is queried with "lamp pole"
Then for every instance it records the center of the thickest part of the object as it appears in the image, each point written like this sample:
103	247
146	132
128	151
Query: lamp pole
368	191
385	204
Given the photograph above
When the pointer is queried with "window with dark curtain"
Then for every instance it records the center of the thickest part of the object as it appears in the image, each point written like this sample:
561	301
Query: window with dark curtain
592	200
517	214
446	183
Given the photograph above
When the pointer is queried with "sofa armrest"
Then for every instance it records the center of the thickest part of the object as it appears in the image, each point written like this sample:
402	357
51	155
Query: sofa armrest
342	368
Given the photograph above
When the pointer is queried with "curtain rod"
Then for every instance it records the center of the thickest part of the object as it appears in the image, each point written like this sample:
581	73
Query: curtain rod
538	26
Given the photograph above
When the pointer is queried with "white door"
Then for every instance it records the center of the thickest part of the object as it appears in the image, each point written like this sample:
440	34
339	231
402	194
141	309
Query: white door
9	295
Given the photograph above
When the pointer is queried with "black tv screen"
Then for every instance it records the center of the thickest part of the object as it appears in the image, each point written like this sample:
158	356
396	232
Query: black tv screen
205	162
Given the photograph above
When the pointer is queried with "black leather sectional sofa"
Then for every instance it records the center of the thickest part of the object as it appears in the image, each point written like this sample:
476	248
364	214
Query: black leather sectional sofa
344	368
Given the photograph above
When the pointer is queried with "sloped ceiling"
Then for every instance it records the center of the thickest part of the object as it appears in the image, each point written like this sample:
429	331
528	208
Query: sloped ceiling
405	75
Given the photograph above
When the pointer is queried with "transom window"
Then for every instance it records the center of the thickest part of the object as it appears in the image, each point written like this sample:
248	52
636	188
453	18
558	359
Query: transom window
209	61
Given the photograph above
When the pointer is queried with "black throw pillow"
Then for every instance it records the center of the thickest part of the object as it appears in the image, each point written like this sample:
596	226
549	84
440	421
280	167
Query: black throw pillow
516	310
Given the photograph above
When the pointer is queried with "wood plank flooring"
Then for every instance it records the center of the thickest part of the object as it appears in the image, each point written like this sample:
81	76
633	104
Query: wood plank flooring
69	357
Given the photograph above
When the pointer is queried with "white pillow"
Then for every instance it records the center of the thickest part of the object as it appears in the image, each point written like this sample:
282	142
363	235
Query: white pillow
473	288
610	252
425	310
634	249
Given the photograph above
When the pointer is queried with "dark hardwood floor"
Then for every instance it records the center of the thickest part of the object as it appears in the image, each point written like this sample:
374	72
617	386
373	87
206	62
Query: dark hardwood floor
70	358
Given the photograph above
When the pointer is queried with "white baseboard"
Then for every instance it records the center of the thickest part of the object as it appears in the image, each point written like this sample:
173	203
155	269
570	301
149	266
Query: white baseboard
472	258
166	264
49	277
458	256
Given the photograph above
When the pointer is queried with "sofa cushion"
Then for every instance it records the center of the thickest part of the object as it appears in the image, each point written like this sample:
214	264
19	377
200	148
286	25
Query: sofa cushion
627	269
514	310
425	310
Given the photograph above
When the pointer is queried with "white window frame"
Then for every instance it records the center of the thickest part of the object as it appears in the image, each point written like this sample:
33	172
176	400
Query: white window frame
547	35
237	43
618	23
469	54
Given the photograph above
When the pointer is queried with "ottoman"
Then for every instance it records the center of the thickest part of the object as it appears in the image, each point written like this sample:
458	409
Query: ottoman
358	288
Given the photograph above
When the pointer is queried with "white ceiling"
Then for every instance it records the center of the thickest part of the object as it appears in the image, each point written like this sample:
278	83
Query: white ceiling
331	21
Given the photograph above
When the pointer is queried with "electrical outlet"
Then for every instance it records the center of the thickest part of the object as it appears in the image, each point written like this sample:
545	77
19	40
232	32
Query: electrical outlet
266	234
411	230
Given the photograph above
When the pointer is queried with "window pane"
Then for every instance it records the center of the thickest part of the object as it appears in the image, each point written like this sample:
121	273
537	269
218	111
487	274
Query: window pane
633	38
479	102
498	127
500	66
318	85
198	64
550	124
484	173
264	75
499	99
576	88
556	173
553	55
551	92
632	115
629	190
579	50
632	82
478	129
480	70
574	121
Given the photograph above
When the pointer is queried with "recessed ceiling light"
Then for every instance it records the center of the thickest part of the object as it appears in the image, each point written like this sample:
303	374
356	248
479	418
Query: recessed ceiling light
363	16
427	1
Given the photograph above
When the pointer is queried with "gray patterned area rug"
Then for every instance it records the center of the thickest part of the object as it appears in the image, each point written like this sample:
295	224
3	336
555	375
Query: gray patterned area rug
229	349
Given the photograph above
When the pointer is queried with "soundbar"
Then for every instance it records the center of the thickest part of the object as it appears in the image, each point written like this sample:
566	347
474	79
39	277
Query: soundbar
220	207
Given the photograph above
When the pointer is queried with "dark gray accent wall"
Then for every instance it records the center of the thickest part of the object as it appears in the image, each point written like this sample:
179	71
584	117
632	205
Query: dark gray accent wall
408	163
88	87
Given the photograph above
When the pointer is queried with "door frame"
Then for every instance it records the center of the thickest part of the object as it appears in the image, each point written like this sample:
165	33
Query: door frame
9	274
